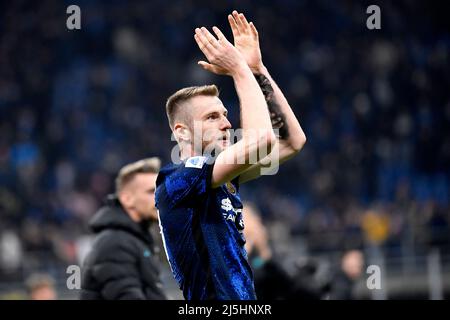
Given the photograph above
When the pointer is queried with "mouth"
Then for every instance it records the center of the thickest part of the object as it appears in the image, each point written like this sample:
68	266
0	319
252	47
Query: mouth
224	140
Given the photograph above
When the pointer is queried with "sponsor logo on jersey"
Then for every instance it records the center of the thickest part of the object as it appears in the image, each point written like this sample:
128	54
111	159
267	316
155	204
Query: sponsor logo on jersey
232	214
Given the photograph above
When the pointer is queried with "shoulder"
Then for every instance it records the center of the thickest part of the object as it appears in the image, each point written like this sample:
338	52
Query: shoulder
177	177
176	181
114	243
192	164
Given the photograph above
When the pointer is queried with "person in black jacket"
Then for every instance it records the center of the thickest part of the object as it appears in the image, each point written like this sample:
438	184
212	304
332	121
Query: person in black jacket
350	271
272	280
123	263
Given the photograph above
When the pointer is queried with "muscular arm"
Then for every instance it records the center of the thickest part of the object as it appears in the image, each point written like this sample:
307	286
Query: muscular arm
291	137
257	133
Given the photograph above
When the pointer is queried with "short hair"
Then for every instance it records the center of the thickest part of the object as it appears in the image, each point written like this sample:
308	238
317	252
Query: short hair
175	101
128	172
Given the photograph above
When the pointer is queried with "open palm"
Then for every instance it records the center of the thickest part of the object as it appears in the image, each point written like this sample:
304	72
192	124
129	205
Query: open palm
246	39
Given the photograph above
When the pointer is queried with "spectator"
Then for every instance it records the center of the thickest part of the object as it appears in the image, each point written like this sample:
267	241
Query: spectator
41	287
272	281
351	268
122	263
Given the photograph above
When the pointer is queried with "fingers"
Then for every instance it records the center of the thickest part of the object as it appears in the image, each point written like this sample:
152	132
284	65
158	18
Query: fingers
238	22
209	37
203	44
201	39
241	22
205	40
240	25
205	65
253	29
212	68
219	33
200	42
244	20
233	25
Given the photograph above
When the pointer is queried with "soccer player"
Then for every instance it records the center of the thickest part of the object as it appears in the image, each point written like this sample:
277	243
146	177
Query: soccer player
200	210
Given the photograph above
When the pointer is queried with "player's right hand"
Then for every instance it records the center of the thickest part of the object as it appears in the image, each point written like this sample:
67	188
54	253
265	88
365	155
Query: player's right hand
223	57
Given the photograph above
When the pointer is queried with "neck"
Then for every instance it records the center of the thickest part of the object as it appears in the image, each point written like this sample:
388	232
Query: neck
187	151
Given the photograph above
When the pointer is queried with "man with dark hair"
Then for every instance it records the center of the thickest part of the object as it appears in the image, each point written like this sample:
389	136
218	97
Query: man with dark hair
122	263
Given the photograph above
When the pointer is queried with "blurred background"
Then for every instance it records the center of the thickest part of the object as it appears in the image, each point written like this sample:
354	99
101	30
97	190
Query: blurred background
372	180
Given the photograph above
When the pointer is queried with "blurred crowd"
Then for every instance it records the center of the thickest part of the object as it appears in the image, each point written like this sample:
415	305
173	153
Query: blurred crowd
76	105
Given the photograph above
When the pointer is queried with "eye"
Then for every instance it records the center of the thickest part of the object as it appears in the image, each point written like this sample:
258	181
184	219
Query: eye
212	116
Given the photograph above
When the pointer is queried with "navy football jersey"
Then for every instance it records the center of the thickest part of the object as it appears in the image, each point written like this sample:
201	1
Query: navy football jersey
202	230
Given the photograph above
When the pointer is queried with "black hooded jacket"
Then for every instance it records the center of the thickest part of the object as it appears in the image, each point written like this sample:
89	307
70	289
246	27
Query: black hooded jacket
122	263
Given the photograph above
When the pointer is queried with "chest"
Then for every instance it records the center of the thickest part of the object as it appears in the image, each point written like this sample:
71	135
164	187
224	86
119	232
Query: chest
230	208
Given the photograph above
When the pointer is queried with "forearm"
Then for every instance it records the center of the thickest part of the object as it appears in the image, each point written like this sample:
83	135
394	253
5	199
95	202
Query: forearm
257	134
254	111
282	116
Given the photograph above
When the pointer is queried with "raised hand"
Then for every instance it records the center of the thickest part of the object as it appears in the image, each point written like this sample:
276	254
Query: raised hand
246	40
223	57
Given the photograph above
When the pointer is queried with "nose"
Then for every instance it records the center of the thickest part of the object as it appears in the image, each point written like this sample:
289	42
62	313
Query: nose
225	124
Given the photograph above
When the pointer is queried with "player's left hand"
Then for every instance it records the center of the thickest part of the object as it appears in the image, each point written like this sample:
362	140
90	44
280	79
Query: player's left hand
246	40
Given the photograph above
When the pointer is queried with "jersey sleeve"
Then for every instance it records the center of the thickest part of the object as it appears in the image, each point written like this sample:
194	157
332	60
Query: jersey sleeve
191	180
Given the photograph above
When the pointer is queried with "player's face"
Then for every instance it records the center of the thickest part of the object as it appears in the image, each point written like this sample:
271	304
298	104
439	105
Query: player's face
142	192
211	113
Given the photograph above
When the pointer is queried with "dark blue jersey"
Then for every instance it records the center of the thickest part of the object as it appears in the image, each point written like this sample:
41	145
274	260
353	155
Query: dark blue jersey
202	232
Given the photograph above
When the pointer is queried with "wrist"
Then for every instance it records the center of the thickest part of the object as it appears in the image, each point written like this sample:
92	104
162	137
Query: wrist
259	69
241	70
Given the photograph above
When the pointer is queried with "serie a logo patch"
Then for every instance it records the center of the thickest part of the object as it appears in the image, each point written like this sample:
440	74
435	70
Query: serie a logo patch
195	162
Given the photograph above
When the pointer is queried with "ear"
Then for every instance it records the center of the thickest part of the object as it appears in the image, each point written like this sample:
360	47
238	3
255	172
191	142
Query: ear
182	132
126	199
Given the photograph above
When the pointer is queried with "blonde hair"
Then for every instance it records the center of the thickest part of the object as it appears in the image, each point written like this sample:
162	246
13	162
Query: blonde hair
128	172
178	98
